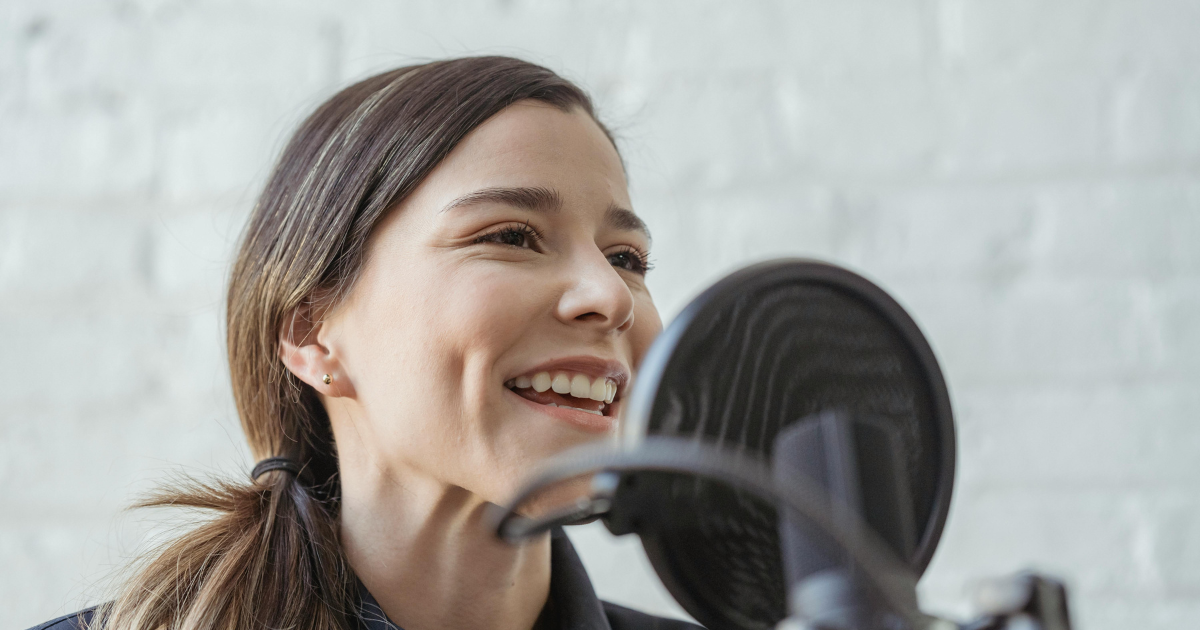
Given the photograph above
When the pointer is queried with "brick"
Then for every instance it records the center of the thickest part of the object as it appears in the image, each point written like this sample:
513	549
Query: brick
1062	534
106	355
102	151
191	253
651	40
802	220
87	53
1059	332
1185	233
817	37
1175	307
859	126
240	49
810	127
56	252
984	34
1088	437
855	37
1157	117
130	449
65	564
706	155
1072	331
13	32
989	33
1115	613
48	573
1021	121
219	151
981	235
49	351
1059	531
1115	230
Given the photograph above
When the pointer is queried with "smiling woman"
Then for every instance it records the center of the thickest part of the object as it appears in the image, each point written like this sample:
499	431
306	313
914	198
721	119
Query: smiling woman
441	285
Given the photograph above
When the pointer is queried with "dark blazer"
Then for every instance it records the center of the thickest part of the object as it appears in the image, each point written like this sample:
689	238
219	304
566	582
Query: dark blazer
572	604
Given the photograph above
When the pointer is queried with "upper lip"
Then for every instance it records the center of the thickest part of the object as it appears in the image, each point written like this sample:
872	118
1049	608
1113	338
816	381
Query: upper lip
593	367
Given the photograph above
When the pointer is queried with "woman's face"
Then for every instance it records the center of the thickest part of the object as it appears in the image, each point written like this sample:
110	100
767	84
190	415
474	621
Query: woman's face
502	309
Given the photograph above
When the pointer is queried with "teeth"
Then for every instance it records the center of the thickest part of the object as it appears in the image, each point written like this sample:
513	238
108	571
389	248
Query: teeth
578	385
599	389
581	387
591	411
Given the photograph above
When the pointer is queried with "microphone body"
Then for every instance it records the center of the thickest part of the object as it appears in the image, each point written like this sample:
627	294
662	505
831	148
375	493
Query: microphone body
858	461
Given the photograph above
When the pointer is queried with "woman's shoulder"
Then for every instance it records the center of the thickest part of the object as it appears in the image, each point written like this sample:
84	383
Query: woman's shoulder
74	621
622	618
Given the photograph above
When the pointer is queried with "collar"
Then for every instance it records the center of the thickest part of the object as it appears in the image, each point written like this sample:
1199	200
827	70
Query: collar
572	603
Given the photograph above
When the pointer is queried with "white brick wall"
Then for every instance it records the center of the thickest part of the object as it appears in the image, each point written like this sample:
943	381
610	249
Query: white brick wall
1023	174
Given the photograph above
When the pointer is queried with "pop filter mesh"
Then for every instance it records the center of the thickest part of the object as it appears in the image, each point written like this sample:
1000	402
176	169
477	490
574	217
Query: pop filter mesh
763	349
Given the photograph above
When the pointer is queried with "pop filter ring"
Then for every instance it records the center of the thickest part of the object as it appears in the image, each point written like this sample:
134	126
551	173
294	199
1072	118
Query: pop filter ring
865	298
654	366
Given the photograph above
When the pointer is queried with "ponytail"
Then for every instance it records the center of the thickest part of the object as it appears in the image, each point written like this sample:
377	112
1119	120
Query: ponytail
268	558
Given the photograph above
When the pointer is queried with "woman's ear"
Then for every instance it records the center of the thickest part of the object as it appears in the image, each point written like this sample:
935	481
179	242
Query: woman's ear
304	354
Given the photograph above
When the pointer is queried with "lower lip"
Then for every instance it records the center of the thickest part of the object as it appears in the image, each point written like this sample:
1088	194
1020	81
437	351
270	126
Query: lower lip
582	420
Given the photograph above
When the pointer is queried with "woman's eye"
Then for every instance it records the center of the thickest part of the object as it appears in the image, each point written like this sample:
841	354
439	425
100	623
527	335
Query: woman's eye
513	236
630	260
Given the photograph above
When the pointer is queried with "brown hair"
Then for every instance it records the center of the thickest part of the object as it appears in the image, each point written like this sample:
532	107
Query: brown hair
271	558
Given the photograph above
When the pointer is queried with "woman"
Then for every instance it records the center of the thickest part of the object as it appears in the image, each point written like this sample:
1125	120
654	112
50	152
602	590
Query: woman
441	285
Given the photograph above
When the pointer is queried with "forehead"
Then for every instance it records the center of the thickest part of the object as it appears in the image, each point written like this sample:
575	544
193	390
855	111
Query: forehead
536	144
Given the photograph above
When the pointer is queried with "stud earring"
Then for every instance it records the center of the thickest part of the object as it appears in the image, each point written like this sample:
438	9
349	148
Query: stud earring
327	379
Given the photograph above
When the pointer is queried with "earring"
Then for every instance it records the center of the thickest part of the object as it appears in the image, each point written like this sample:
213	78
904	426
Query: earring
327	379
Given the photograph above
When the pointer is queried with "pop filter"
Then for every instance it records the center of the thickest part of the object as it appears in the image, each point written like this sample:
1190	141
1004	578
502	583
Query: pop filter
765	348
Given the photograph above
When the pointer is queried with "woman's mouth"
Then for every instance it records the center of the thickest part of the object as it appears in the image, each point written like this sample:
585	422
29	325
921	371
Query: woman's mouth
569	390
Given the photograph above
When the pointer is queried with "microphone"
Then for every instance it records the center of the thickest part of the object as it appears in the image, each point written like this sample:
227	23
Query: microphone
787	452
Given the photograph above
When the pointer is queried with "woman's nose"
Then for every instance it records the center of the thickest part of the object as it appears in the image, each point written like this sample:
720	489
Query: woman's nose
596	295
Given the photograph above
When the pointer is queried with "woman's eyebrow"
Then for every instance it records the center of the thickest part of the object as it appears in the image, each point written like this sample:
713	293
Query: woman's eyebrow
534	199
625	219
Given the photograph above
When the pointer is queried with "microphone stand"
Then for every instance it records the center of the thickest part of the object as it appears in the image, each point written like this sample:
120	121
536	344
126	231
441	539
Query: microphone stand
858	463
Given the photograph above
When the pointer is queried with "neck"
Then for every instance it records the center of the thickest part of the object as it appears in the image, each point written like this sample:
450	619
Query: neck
423	551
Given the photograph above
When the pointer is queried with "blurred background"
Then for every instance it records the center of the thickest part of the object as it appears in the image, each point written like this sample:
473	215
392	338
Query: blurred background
1023	175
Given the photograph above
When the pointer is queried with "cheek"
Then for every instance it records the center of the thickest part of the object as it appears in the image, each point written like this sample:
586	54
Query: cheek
486	312
646	327
428	348
442	321
482	316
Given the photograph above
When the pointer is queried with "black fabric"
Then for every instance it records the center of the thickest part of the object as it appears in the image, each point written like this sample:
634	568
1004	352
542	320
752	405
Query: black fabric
572	604
74	621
